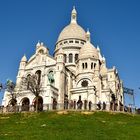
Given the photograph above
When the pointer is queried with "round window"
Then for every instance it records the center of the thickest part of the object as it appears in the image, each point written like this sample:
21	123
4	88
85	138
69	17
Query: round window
84	83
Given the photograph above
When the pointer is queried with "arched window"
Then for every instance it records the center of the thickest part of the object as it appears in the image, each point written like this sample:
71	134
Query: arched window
76	41
83	65
65	58
70	58
86	65
28	79
113	97
71	41
38	73
94	65
76	57
65	42
51	77
41	51
91	65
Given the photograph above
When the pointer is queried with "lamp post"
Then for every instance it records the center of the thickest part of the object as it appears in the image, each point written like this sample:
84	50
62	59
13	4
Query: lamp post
130	92
0	86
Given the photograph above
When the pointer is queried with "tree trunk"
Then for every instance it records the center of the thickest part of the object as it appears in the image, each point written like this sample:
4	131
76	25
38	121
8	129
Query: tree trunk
36	104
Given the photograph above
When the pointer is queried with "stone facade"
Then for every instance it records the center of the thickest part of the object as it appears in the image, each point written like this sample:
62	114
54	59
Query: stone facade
77	75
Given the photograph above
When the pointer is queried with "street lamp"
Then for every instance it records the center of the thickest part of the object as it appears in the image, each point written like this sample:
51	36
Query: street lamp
1	86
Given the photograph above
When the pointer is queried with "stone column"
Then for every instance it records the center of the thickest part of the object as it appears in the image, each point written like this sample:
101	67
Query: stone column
73	58
67	58
94	101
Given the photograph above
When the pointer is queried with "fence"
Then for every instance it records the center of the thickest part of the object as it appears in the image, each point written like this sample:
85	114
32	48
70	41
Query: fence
47	107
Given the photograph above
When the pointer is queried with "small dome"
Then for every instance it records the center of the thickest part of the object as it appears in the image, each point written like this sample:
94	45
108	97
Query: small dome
88	51
38	44
24	59
73	30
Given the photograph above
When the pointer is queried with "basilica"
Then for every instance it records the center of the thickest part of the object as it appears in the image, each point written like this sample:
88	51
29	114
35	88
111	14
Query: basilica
76	77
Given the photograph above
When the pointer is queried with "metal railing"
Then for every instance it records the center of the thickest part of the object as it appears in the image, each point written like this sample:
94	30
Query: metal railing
49	107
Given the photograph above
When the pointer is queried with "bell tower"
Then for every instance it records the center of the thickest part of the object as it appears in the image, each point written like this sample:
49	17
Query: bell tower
60	75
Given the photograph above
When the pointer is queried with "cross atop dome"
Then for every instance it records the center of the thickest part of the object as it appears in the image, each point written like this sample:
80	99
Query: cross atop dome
74	15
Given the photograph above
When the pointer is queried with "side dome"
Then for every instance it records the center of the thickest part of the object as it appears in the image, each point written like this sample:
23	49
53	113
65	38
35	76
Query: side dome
88	50
73	30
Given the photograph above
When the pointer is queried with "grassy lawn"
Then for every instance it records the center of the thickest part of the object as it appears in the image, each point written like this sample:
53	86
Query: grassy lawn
71	126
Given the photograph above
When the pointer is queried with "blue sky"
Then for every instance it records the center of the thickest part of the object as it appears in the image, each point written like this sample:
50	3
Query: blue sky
114	26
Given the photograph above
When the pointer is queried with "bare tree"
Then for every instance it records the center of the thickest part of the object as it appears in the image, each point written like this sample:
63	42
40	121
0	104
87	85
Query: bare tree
32	83
9	86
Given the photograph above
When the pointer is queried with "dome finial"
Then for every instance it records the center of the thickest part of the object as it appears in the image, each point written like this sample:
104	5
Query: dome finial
74	15
88	35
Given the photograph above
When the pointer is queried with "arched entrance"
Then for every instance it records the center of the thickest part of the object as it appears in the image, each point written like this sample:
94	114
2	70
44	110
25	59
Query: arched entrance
40	103
12	105
25	104
38	74
12	102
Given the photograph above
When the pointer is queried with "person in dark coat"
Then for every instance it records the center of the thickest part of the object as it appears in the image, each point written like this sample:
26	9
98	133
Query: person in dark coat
104	106
89	105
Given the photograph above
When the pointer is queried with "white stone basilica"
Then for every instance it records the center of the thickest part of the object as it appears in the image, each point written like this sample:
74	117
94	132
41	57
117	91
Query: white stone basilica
77	72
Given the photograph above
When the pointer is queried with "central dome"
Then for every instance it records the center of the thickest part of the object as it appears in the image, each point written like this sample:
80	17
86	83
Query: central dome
73	30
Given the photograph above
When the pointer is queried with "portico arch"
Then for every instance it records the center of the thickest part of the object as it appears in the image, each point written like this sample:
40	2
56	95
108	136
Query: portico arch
25	102
40	103
11	107
12	102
